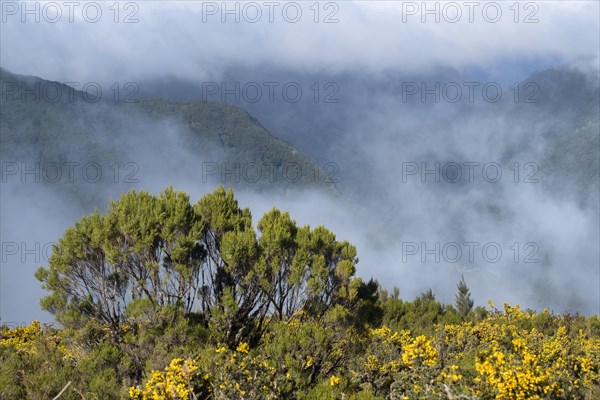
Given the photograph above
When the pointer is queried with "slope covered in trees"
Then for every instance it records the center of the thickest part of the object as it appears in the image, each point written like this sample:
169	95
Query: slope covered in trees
49	124
159	298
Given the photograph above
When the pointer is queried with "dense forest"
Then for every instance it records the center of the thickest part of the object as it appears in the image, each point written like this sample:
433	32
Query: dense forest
159	298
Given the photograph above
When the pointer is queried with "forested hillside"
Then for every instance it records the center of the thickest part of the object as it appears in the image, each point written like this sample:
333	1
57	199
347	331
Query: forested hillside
48	123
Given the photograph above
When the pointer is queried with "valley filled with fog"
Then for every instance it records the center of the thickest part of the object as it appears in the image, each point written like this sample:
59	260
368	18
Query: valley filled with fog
439	149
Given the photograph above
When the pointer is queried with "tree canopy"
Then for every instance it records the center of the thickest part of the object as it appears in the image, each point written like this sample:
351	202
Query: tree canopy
170	257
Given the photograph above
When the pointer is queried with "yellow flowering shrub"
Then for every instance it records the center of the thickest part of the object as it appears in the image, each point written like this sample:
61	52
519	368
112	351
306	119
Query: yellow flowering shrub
508	354
218	373
247	374
419	352
22	338
396	363
503	356
178	381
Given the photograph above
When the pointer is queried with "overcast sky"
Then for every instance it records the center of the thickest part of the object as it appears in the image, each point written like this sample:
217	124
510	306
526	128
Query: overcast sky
188	39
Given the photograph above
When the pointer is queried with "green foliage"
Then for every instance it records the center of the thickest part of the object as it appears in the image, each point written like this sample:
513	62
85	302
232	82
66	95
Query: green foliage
510	354
107	133
163	299
153	272
463	301
32	365
310	350
144	247
37	363
420	315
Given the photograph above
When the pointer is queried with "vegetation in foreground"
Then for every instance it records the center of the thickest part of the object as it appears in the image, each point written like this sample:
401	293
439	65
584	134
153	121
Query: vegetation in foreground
161	299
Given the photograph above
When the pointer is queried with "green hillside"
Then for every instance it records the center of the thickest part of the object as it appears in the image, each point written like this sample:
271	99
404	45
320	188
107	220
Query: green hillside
37	127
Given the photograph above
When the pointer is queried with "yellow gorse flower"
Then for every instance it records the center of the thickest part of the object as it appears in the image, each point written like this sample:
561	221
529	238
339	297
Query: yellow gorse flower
334	380
22	338
502	356
243	347
173	383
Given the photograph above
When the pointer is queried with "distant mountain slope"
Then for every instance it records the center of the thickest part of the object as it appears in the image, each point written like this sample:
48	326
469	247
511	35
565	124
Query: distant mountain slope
237	135
371	109
218	143
572	164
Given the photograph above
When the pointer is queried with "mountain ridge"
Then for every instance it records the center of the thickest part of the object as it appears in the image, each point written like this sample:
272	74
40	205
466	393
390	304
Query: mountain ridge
224	137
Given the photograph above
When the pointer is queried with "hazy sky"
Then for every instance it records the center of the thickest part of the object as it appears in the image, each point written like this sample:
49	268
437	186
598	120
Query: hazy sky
188	39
